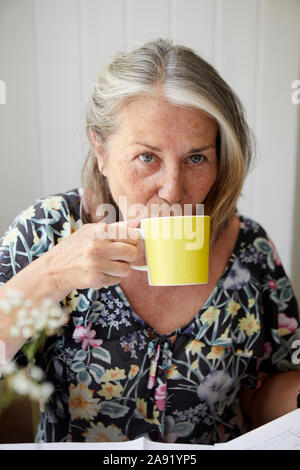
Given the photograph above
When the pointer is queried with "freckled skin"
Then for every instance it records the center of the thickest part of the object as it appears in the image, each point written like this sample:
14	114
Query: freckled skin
171	176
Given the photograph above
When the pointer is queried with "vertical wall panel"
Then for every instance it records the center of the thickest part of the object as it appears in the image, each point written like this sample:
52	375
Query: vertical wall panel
192	24
19	161
58	72
146	21
279	124
235	59
100	40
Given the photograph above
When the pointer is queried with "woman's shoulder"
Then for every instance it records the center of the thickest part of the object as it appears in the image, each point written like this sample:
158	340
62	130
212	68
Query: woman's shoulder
67	202
254	241
250	228
54	210
49	218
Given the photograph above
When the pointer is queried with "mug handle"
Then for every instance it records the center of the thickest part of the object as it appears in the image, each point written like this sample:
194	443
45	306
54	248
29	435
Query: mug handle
133	266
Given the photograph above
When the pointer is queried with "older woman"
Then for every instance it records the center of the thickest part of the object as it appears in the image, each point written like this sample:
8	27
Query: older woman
172	363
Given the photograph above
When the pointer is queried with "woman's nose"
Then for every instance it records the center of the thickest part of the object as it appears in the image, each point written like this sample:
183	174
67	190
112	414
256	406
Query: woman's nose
171	186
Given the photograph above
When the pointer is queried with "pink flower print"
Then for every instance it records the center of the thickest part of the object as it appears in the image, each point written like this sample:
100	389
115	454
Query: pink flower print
152	371
287	323
272	284
267	352
86	336
151	382
160	395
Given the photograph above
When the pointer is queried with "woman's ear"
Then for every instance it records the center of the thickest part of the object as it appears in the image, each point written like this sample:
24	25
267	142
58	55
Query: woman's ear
100	159
99	150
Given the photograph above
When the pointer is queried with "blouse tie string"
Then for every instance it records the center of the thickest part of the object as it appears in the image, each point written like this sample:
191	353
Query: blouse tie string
160	353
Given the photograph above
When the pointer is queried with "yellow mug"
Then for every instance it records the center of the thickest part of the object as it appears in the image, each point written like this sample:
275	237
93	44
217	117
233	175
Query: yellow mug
176	249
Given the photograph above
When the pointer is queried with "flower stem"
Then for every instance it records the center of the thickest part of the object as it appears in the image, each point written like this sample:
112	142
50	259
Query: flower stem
35	413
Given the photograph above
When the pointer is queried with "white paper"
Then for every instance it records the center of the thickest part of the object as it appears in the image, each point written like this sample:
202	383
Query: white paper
280	434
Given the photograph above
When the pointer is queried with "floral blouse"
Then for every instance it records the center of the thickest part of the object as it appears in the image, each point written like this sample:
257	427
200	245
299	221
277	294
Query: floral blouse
117	379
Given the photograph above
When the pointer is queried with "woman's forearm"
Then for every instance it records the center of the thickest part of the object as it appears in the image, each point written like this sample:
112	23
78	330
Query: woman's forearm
276	397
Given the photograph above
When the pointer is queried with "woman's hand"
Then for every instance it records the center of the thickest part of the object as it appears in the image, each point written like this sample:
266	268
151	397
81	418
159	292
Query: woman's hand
94	256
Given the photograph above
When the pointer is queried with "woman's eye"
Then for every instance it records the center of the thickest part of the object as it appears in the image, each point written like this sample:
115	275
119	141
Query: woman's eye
146	157
197	158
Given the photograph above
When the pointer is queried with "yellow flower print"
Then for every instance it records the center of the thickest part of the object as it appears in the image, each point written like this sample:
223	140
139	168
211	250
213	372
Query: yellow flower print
244	353
71	301
194	346
251	302
110	390
142	408
233	308
210	315
195	364
172	372
82	405
249	324
134	369
69	227
113	375
11	237
27	214
225	334
216	352
53	202
35	237
99	433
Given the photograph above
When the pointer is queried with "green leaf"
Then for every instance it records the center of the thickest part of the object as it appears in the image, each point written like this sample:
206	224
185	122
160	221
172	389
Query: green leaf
96	371
275	335
77	321
113	410
286	294
83	303
31	347
80	355
279	355
183	429
102	354
78	366
270	261
93	317
281	283
84	377
261	245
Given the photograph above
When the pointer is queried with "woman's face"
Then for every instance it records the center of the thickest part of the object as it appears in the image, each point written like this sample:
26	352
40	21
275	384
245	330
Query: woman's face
161	154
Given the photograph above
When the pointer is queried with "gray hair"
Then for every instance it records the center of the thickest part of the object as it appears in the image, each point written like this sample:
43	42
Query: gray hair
184	79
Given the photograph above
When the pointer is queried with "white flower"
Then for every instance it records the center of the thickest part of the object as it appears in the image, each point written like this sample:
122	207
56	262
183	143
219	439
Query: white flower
34	391
27	332
46	389
27	303
24	385
5	306
36	373
22	313
19	383
8	368
14	331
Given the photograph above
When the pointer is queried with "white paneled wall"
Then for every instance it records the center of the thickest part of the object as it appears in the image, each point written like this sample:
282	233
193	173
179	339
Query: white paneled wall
50	51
